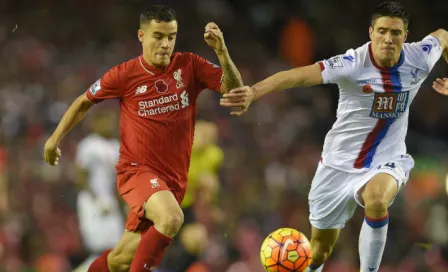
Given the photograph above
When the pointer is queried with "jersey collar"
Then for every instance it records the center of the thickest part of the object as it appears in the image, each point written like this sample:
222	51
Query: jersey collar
393	68
154	71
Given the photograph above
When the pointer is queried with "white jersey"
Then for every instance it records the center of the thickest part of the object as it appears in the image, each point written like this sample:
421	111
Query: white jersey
99	230
99	156
373	109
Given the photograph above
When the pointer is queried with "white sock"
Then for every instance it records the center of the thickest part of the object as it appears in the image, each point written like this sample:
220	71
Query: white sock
314	269
372	241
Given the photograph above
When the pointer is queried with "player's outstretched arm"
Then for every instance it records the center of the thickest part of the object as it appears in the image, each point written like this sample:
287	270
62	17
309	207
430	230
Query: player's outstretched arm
72	116
442	36
298	77
231	76
441	85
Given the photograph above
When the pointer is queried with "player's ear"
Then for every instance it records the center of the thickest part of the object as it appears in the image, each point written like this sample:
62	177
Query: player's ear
140	35
406	35
370	32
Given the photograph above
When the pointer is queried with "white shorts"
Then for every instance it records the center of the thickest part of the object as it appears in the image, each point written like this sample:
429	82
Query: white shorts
99	232
334	193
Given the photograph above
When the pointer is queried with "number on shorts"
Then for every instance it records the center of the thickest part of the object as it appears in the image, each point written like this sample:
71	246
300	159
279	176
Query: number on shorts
390	165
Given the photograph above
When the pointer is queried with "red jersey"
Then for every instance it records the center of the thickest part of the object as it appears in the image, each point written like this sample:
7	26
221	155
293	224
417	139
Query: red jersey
158	111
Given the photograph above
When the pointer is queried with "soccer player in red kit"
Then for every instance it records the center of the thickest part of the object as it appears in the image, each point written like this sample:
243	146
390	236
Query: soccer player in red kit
157	92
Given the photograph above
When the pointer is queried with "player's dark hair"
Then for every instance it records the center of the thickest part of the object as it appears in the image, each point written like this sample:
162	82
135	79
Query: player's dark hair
159	13
391	9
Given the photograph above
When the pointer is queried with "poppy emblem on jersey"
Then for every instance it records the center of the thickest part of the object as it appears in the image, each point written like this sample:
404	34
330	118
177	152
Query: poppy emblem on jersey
178	77
161	86
367	89
389	105
95	87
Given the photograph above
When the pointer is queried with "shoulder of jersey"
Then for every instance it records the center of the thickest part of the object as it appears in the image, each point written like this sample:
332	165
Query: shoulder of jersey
356	56
127	65
351	59
183	56
415	52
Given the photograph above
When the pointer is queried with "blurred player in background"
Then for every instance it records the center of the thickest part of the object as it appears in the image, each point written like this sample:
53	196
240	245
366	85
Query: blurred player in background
364	158
157	92
100	218
199	205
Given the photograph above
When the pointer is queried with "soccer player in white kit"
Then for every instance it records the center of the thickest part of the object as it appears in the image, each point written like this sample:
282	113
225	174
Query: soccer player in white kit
364	158
100	218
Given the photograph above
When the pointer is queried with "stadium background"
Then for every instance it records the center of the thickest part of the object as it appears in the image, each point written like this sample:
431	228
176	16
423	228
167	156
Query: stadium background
51	51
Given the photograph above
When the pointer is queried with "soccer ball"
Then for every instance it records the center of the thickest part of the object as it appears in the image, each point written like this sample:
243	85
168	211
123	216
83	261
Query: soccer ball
286	250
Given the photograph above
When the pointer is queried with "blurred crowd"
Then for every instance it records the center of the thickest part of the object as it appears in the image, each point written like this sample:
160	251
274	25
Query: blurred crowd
51	51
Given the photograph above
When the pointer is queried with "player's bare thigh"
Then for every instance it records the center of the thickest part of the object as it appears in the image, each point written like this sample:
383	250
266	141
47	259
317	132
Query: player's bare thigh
120	258
163	209
382	186
378	193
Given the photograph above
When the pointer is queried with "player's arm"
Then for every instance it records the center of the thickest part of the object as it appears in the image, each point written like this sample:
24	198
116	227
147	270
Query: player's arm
72	116
442	36
441	85
297	77
231	76
104	88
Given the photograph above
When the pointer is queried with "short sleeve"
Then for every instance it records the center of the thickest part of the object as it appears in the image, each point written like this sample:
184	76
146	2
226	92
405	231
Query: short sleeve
339	67
208	75
108	86
427	51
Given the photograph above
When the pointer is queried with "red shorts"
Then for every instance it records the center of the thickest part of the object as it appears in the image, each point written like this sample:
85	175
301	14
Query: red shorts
136	185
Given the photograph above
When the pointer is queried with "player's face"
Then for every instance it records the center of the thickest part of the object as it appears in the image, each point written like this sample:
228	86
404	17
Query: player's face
158	39
388	35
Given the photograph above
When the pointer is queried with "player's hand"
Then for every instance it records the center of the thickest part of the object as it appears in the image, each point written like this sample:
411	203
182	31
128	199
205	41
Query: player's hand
52	152
239	98
441	86
214	37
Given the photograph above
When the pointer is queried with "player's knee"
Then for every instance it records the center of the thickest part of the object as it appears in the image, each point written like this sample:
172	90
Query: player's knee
170	223
119	261
321	251
376	206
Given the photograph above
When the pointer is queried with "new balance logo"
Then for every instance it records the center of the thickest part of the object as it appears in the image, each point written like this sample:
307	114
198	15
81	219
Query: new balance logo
184	101
154	183
141	89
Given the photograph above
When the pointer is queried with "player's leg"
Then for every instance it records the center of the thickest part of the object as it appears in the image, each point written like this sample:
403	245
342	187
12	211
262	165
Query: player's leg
99	231
120	258
331	206
164	211
376	196
322	243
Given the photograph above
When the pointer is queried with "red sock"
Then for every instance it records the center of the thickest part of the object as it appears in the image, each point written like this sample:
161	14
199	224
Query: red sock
150	251
100	264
